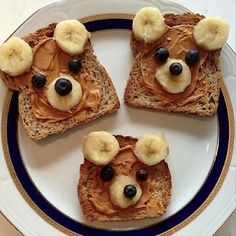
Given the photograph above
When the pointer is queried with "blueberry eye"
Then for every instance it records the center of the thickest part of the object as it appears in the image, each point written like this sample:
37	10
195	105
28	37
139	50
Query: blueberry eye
192	57
142	174
74	65
161	54
38	80
107	173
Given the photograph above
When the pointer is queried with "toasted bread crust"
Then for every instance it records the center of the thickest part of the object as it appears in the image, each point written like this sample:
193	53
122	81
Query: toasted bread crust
38	129
137	96
162	194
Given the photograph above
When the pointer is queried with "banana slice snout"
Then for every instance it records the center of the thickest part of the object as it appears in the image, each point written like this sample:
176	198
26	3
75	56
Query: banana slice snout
211	33
117	195
71	36
173	83
149	25
15	56
64	103
151	149
100	147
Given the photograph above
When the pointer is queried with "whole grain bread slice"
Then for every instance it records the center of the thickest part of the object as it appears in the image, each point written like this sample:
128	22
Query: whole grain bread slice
38	129
154	207
137	96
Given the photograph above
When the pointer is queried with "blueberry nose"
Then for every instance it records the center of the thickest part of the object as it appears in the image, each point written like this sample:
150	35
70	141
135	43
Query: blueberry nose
130	191
63	86
176	68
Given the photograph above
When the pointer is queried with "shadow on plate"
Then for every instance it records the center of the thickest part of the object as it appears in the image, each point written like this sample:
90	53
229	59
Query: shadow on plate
201	127
53	148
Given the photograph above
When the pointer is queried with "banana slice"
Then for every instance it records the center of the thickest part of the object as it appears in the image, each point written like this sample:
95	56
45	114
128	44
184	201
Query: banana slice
117	195
71	36
173	83
100	147
151	149
211	33
15	56
149	25
64	103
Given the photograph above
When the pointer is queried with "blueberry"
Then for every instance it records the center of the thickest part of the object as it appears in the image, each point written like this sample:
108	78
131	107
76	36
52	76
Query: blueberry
38	80
63	86
161	54
74	65
130	191
176	68
107	173
192	57
142	174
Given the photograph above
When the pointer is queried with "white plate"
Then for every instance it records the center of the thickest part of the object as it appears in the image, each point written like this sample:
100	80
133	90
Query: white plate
196	146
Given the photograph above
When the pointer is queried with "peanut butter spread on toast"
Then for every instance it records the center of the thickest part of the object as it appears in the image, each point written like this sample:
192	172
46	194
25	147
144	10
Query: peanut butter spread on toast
178	40
124	163
51	61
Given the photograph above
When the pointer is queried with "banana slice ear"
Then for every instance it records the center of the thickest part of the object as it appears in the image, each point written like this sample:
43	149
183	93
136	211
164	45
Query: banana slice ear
71	36
151	149
211	33
100	147
16	56
149	25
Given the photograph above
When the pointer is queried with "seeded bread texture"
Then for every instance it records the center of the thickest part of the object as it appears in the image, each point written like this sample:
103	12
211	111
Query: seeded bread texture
137	96
160	195
38	129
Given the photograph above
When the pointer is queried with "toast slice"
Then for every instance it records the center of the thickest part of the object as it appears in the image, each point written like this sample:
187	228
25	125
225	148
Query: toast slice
152	206
38	129
136	95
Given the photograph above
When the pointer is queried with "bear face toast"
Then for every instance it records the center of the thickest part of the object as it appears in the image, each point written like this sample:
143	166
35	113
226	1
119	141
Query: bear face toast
123	177
176	66
61	84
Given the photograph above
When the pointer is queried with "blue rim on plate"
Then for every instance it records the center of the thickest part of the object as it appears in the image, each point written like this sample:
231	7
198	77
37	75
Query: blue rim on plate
76	227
